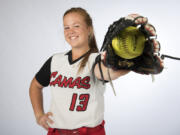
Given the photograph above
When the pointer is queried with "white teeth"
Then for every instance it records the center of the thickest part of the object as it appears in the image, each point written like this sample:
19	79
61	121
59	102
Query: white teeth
73	37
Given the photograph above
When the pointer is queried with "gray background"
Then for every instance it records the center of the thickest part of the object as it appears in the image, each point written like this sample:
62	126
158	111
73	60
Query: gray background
31	31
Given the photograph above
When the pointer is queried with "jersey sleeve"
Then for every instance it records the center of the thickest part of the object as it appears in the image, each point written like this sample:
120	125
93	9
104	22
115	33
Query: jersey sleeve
43	76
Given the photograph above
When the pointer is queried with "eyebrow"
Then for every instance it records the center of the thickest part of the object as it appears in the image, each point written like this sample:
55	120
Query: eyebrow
72	24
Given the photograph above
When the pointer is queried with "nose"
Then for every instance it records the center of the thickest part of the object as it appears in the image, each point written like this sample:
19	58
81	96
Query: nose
70	31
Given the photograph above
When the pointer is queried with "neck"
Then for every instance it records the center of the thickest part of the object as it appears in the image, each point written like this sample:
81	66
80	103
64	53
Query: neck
77	52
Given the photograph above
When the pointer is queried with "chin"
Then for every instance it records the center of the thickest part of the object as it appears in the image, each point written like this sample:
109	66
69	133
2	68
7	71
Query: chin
75	46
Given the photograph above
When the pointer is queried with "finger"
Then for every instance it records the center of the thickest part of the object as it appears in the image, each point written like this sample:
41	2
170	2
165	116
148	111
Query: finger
42	121
46	126
161	61
141	20
148	27
132	16
138	18
156	46
49	120
46	118
144	20
103	54
49	114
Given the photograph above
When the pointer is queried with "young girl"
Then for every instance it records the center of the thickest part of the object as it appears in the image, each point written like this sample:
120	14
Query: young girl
77	105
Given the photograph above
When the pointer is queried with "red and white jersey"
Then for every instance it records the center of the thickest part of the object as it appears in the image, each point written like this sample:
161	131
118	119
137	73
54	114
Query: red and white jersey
77	100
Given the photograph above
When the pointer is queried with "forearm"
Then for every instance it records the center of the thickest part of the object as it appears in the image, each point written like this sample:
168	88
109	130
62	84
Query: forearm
113	74
36	96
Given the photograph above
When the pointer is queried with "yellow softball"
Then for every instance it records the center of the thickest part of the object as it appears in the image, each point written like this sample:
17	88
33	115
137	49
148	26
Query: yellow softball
129	43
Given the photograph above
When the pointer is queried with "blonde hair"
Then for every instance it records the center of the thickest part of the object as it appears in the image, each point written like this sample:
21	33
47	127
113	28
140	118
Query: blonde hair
92	40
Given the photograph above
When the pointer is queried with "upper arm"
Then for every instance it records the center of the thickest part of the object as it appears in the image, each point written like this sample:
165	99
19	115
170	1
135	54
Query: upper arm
35	83
43	75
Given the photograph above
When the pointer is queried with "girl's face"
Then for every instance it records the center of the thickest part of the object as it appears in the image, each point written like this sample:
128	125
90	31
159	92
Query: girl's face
75	30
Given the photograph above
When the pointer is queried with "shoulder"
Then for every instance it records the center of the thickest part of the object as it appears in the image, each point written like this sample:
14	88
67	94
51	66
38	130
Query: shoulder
59	55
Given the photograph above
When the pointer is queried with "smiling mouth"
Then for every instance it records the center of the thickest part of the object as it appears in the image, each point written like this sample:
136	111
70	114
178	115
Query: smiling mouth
73	37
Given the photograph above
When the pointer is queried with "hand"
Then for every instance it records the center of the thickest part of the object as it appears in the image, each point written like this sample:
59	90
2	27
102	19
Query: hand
156	50
103	55
106	57
156	45
139	19
150	29
44	119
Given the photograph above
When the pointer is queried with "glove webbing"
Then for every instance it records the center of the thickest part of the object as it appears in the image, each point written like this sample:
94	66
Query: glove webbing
98	61
111	81
100	69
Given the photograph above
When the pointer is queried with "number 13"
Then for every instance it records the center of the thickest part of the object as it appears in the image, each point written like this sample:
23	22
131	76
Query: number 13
83	102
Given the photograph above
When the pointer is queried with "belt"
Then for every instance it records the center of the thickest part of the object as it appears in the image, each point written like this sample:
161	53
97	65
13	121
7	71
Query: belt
79	131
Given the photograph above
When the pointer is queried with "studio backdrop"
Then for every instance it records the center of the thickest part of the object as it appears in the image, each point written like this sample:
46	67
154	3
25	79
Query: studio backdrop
32	31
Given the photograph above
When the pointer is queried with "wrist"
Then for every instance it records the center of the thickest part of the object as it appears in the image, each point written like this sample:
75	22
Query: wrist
38	115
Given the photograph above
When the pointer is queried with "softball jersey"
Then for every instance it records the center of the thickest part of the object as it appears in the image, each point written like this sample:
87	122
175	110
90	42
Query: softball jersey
77	100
